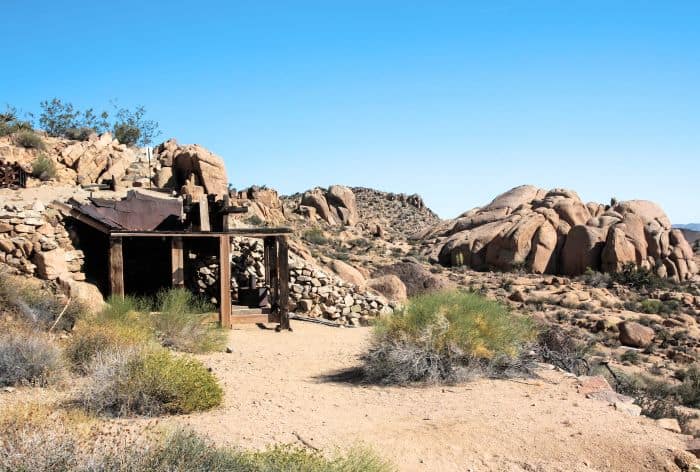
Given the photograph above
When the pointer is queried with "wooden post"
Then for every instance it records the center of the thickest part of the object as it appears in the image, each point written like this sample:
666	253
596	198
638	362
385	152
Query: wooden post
225	281
204	224
272	278
283	277
178	262
269	245
116	267
226	218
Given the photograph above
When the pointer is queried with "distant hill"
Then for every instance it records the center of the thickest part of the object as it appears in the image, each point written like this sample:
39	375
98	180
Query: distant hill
690	226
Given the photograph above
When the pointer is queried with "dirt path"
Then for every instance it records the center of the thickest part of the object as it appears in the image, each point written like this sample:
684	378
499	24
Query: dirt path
275	392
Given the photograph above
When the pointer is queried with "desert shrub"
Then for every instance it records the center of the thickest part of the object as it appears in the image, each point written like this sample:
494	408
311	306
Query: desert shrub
35	305
639	278
560	349
81	133
596	279
187	451
315	236
92	338
255	220
29	139
689	390
38	445
650	306
630	356
183	323
36	438
43	168
28	359
148	382
10	122
446	337
131	127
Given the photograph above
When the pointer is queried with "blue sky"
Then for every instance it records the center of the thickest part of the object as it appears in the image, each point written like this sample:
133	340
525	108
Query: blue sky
457	101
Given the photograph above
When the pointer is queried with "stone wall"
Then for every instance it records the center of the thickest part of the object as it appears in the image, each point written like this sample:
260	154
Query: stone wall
34	242
313	291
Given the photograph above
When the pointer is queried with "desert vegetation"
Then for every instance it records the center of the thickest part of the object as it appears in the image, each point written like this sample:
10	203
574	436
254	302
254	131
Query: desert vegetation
40	440
447	337
59	118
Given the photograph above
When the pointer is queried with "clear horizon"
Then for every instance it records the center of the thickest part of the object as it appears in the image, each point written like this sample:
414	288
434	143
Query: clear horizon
456	102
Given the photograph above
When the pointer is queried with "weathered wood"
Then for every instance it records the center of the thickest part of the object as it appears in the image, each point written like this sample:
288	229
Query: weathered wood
225	281
178	262
116	267
248	232
271	274
204	223
283	281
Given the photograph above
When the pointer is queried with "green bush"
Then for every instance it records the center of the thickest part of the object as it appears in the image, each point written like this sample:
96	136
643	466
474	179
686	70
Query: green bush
29	139
315	236
639	278
630	356
183	323
44	168
446	337
255	220
689	390
148	382
28	359
92	338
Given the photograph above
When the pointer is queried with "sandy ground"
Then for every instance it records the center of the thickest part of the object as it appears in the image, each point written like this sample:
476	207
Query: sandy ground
277	391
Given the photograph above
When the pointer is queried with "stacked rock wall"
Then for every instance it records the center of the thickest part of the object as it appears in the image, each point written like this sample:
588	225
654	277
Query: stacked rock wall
34	241
313	291
555	232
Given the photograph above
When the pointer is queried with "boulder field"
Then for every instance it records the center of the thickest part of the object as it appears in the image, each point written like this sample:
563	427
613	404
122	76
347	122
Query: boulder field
554	232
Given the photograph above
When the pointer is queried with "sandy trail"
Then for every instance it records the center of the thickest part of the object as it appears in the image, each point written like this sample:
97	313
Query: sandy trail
276	392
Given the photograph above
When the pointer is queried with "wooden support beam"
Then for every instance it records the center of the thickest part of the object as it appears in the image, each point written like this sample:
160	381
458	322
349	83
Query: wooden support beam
283	277
271	273
225	281
178	262
204	224
268	246
116	267
225	217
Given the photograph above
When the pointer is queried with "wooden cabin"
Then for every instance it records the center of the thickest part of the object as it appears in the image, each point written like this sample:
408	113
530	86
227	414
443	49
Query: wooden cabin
138	246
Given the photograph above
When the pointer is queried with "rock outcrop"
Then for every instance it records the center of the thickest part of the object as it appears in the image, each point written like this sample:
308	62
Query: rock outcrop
335	205
183	164
392	214
94	160
554	232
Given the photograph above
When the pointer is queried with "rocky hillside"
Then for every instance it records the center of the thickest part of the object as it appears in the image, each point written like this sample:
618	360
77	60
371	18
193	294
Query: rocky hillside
397	214
554	232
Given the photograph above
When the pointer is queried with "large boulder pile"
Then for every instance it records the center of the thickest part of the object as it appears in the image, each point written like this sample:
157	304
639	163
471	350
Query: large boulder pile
190	167
554	232
264	205
99	158
335	205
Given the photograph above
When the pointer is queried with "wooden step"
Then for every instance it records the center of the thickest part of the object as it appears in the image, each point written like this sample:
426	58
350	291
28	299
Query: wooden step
241	315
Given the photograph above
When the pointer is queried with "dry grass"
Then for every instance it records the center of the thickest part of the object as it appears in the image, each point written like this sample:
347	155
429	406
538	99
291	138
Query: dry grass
29	358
